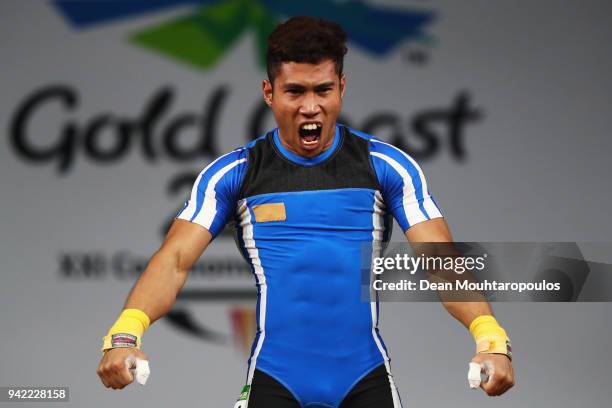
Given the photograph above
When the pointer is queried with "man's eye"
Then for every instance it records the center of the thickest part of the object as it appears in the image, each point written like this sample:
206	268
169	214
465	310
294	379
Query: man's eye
294	91
324	90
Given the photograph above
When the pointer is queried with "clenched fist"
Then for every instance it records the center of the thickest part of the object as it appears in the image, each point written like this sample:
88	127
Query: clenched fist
498	368
114	368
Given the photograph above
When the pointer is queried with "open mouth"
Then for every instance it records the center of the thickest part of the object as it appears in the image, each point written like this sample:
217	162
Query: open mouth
310	133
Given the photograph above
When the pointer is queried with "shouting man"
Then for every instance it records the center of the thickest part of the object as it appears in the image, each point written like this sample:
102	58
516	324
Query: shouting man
305	197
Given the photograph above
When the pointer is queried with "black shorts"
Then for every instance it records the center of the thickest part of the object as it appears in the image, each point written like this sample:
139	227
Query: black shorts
372	391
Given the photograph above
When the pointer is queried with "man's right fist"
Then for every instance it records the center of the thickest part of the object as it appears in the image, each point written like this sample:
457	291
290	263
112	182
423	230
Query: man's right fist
114	369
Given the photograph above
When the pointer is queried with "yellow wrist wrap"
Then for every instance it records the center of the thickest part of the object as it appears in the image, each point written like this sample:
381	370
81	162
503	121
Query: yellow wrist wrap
490	337
127	330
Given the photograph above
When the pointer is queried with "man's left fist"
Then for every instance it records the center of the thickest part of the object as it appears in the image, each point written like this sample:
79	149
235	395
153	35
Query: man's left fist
498	368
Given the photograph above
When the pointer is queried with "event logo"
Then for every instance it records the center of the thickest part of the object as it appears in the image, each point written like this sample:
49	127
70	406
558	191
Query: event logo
204	34
201	37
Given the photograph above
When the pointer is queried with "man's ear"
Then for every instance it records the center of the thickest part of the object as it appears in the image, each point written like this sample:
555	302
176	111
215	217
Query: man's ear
342	85
267	92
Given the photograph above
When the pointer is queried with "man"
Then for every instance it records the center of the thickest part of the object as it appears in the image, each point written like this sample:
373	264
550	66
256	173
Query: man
305	198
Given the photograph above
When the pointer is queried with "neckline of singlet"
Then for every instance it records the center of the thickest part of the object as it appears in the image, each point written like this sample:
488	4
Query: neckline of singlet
306	161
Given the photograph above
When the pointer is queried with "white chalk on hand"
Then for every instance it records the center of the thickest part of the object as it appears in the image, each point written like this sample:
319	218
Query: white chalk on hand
139	368
474	375
475	370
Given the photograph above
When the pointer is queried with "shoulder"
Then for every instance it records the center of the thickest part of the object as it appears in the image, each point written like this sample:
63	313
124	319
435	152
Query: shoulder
236	160
257	141
386	152
223	164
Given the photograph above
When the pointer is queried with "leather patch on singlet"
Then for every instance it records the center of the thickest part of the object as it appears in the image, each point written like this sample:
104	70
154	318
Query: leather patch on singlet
270	212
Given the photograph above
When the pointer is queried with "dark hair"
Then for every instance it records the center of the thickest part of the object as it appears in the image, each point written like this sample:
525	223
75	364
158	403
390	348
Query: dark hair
305	39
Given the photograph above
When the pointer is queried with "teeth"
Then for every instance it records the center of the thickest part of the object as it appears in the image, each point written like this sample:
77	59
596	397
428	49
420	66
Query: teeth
310	126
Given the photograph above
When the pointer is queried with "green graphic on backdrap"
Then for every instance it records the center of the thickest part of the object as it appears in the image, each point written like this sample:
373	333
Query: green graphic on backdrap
201	39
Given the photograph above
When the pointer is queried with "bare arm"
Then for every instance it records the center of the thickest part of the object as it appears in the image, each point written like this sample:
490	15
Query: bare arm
436	230
155	291
502	378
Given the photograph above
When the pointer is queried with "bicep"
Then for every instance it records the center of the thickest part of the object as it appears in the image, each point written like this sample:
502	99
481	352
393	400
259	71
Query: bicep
185	242
434	230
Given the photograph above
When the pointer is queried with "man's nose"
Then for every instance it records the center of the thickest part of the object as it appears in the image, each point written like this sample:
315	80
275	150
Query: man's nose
310	105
